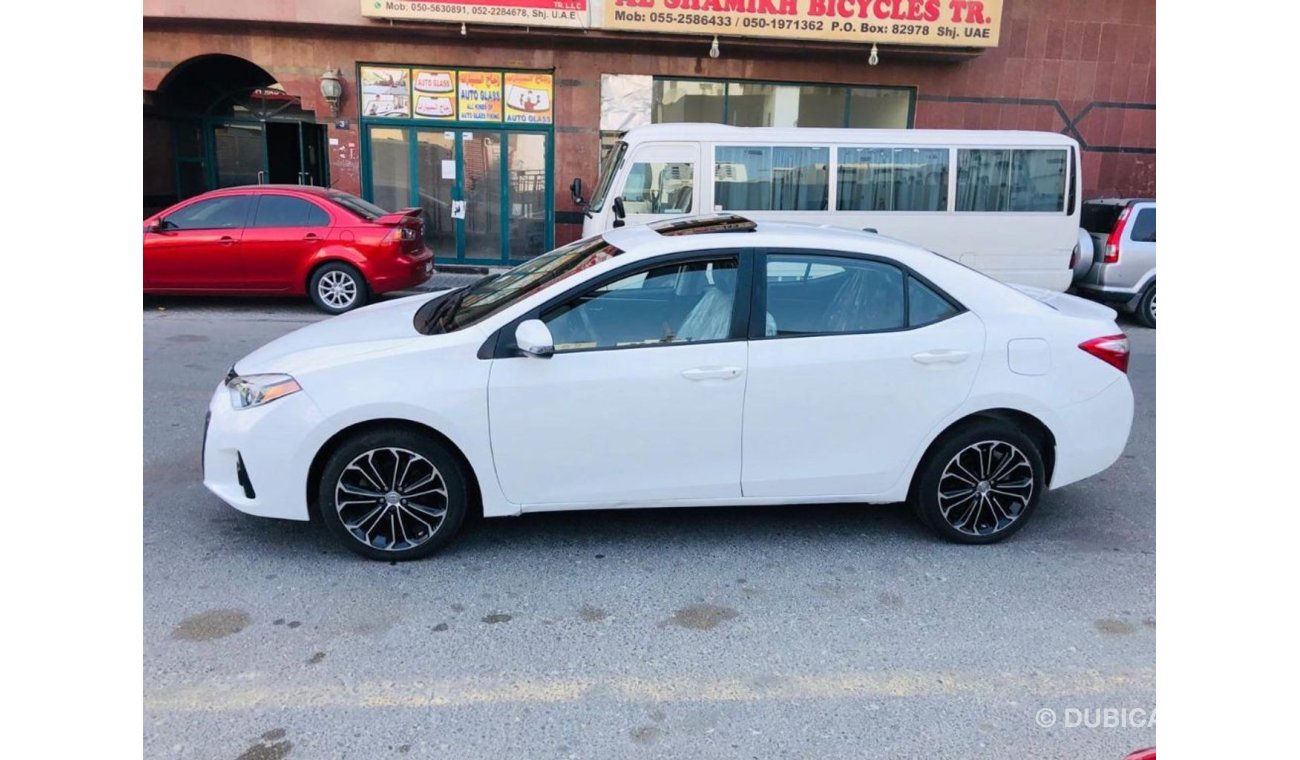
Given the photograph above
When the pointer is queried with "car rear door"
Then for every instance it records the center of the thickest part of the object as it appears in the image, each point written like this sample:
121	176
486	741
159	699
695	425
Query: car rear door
857	361
196	247
284	232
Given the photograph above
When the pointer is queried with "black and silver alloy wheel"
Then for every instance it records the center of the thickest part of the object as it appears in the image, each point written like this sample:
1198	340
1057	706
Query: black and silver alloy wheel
391	499
980	482
392	494
985	488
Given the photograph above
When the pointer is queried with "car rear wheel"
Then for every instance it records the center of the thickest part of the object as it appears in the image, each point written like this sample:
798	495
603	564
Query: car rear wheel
1146	310
337	287
393	495
980	484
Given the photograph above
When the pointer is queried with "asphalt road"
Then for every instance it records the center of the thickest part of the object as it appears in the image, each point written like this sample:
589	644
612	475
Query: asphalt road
806	631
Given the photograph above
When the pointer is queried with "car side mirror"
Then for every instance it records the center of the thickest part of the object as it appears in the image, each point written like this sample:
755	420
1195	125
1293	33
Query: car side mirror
154	226
575	189
619	212
534	339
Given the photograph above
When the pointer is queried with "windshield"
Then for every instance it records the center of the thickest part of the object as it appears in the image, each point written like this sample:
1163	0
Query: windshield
462	308
612	163
362	208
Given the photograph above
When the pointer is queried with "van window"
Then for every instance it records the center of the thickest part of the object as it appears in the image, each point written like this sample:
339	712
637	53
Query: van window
659	188
752	178
892	179
1010	180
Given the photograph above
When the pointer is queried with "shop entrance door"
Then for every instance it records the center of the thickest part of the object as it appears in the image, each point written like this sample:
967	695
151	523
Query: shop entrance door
271	152
484	193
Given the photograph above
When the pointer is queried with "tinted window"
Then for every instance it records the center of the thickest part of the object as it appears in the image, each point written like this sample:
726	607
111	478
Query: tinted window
1100	218
674	303
832	295
770	179
362	208
1010	180
284	211
213	214
1144	226
892	179
924	306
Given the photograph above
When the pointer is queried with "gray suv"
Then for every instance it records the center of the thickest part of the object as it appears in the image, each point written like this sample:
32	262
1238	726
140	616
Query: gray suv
1123	272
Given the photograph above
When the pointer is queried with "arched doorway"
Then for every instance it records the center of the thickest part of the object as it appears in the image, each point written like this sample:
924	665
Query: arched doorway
221	121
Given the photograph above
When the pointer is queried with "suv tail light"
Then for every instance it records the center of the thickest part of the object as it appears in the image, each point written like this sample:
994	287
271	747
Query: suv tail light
1111	255
1112	349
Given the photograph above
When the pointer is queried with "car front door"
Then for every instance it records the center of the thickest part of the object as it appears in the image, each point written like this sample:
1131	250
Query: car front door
283	234
197	246
643	397
857	362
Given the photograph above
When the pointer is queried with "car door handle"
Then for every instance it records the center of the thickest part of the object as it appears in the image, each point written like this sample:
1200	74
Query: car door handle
711	373
226	240
941	356
309	236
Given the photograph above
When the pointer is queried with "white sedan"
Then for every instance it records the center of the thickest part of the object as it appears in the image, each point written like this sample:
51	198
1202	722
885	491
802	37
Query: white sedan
701	361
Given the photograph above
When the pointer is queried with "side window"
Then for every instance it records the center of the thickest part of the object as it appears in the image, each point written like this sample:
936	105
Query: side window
682	302
833	295
284	211
892	179
924	306
749	178
1144	226
659	188
213	214
1010	180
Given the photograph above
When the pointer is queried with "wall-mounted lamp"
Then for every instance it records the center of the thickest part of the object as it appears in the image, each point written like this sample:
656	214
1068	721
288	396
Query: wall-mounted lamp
331	88
714	52
463	30
874	58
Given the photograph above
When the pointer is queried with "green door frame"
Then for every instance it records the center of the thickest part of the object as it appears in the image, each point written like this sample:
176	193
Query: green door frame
412	126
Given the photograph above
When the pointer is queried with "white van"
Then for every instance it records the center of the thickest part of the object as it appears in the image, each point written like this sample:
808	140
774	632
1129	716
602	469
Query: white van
1006	203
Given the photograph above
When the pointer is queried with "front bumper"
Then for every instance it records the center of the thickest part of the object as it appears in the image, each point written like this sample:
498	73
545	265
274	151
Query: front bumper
1091	434
270	445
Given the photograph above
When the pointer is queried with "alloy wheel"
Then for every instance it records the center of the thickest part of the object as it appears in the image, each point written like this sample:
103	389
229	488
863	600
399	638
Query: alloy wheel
391	499
338	289
985	488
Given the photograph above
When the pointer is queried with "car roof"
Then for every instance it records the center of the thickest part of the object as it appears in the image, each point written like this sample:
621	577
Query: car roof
645	238
1118	201
322	192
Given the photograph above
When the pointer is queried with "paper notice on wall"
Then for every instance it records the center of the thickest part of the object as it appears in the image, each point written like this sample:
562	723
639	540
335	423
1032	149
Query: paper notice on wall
458	209
449	168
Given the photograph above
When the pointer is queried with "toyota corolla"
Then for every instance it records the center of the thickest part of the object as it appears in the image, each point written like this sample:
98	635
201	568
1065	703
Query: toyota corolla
703	361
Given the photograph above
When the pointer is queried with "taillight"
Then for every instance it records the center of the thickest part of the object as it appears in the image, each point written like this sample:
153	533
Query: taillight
1111	256
400	234
1112	349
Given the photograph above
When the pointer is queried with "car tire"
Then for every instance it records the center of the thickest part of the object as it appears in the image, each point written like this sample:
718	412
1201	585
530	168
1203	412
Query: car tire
1146	309
393	494
337	287
992	476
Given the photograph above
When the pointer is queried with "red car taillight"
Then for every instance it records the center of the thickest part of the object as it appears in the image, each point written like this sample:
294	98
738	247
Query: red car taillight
1111	255
400	234
1112	349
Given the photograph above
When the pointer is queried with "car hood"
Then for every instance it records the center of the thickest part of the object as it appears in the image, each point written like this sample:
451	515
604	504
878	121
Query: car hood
356	333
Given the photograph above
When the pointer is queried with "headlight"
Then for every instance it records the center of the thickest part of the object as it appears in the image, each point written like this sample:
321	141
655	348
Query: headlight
255	390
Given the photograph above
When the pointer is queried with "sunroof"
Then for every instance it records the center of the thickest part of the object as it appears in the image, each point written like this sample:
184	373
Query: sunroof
700	225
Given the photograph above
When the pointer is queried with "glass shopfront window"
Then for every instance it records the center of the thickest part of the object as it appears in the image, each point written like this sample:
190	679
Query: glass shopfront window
774	104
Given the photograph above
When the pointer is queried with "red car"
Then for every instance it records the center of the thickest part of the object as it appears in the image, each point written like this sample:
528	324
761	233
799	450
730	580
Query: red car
284	240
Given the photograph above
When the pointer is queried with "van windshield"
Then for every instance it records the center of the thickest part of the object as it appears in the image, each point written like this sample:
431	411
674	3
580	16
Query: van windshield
612	164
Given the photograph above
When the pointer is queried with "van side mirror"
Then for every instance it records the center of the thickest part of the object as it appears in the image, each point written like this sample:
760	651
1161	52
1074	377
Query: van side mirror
534	339
619	212
575	190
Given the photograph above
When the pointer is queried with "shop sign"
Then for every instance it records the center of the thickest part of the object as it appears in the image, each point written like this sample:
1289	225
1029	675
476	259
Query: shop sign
480	96
434	93
385	91
573	14
960	23
528	98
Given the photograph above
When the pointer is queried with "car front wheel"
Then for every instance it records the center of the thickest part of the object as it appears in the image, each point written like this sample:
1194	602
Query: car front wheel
393	495
337	287
980	485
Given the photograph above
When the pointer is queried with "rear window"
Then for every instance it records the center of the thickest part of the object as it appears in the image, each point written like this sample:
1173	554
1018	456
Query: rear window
359	206
1100	218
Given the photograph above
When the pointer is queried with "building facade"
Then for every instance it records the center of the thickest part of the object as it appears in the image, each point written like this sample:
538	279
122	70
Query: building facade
482	112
